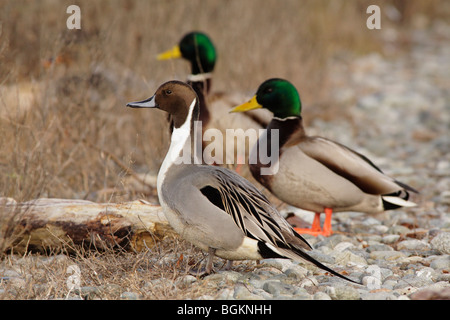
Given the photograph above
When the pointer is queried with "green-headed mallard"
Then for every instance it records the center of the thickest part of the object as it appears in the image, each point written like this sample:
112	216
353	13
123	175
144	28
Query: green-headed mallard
197	48
315	173
213	207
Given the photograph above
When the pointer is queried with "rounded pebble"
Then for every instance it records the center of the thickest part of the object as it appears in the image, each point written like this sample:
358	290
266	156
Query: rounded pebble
413	244
441	242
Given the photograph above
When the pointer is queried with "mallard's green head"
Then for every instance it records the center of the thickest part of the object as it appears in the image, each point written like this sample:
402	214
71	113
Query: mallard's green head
277	95
198	49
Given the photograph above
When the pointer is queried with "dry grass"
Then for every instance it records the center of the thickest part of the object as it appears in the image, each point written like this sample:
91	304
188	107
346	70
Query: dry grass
64	128
105	275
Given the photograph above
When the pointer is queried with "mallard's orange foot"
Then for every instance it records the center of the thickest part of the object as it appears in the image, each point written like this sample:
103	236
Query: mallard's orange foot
327	223
316	229
308	231
314	233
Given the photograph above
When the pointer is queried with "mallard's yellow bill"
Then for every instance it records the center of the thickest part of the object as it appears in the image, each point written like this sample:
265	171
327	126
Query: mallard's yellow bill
249	105
173	53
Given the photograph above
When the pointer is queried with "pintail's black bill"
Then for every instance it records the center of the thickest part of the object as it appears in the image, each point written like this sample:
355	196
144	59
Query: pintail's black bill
148	103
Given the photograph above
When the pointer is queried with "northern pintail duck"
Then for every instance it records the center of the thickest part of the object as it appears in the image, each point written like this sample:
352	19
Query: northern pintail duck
315	173
213	207
197	48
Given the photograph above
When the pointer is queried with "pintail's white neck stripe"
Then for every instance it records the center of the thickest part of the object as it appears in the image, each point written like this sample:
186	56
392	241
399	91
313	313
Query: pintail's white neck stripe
199	77
179	138
181	134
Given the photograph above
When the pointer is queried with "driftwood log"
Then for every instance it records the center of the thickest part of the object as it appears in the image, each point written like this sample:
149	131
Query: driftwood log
52	224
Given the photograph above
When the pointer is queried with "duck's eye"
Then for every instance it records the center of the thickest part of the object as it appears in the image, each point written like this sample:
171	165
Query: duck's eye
168	91
268	90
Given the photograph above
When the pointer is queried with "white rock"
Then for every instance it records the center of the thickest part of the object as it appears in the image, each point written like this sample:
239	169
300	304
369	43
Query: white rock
441	242
321	296
346	257
341	246
413	244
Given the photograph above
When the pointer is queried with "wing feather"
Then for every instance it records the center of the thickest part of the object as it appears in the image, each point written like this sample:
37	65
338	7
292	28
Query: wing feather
351	165
252	211
257	218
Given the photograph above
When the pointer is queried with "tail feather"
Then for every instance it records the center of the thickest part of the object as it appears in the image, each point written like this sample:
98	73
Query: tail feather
406	187
294	253
310	259
398	199
392	202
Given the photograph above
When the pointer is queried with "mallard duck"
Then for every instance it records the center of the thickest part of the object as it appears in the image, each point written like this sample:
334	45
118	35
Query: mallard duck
315	173
213	207
197	48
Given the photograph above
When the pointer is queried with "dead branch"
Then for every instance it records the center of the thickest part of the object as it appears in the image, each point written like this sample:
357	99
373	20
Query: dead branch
60	223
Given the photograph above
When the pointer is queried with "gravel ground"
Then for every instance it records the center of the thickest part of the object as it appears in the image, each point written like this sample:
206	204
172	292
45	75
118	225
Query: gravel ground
400	110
